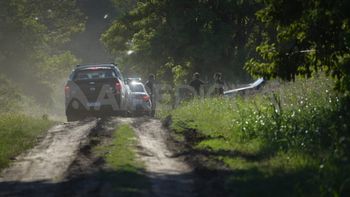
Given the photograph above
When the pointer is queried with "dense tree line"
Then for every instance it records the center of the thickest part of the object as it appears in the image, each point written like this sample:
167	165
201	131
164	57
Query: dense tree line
32	37
175	38
272	38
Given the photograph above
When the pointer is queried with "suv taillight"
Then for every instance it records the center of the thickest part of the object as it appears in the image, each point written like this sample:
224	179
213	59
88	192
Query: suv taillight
66	90
145	98
118	87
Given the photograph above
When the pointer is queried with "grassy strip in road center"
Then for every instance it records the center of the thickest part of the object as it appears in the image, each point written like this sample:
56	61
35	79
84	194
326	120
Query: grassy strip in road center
127	175
19	133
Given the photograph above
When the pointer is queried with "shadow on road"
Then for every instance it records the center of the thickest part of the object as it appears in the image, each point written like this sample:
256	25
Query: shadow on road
252	182
104	183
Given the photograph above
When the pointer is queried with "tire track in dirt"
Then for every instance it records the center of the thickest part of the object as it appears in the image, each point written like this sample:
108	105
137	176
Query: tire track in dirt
49	160
63	165
170	176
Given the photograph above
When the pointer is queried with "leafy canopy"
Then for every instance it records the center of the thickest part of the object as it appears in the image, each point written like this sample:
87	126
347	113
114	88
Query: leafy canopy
303	37
209	36
32	37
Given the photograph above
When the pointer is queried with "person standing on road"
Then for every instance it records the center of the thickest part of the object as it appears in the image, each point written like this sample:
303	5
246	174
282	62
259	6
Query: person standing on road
150	86
219	84
196	83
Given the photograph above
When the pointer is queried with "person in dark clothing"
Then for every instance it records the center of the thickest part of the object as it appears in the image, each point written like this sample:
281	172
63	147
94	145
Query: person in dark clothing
219	84
150	84
150	89
196	83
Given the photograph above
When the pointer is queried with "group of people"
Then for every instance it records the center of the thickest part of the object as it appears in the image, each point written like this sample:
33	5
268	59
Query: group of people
196	83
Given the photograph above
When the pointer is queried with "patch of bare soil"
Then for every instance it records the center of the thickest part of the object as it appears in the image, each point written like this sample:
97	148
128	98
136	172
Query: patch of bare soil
170	175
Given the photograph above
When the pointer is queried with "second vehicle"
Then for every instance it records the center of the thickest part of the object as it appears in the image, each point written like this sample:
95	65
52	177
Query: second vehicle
139	100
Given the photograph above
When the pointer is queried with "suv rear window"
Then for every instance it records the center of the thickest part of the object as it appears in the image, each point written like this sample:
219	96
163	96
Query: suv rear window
94	74
137	88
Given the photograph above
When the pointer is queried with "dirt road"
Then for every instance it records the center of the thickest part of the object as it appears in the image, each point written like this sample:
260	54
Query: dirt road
62	163
170	176
49	160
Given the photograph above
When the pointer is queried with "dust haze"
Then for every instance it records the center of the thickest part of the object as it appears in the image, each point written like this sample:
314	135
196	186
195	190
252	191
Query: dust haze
37	78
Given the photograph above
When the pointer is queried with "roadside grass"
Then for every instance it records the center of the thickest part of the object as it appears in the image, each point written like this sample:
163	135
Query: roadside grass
18	133
127	175
291	140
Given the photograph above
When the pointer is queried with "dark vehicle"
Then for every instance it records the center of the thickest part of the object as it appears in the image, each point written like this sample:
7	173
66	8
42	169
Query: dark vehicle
139	100
95	90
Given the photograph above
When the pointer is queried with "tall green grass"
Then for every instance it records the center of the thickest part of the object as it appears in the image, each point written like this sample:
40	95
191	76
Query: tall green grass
294	136
18	133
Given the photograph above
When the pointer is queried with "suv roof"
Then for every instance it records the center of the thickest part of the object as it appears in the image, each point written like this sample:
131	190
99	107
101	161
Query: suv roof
81	67
97	66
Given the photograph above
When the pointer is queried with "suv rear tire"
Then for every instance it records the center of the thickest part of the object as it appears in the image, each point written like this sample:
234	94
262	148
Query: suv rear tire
74	113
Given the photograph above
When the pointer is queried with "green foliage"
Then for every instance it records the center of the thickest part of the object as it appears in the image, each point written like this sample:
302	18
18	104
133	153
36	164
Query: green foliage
124	6
180	73
290	138
49	71
210	36
17	134
31	26
303	37
33	33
